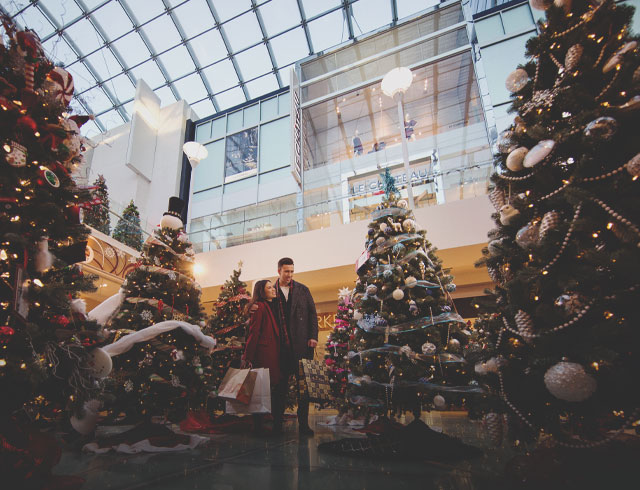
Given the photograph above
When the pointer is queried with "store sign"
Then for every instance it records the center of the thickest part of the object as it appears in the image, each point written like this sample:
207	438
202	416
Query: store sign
366	184
296	129
326	321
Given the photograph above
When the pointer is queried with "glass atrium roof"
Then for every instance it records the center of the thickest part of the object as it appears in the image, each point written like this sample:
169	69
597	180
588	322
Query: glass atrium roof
214	54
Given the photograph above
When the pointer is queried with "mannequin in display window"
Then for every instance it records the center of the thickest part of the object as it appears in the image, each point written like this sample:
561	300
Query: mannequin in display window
357	145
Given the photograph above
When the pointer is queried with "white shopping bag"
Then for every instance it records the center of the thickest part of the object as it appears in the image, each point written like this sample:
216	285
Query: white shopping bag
260	399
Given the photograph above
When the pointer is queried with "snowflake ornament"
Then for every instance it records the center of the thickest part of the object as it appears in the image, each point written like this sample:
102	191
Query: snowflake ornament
146	315
172	276
344	294
128	386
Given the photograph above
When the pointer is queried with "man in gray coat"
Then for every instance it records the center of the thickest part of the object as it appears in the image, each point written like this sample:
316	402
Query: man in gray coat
298	311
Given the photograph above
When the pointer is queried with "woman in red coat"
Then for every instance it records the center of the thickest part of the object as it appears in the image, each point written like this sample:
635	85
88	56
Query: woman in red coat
268	347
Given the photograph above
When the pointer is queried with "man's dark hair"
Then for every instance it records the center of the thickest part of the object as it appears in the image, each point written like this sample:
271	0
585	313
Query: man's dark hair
284	261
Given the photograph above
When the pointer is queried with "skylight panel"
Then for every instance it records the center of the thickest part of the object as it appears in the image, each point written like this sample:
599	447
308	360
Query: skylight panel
243	31
104	63
209	47
97	100
203	108
314	7
279	15
262	85
191	88
229	9
150	73
194	17
132	49
82	79
221	76
177	62
113	20
144	10
59	51
62	11
35	20
111	119
121	87
290	47
85	36
230	98
162	34
369	15
410	7
254	62
328	31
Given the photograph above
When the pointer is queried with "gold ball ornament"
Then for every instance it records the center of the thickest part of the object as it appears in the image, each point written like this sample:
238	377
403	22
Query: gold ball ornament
516	158
540	4
516	80
527	236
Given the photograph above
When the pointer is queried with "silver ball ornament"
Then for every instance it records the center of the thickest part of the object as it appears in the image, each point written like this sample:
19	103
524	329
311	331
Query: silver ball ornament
410	282
429	349
372	289
439	401
398	294
516	158
516	80
602	128
568	381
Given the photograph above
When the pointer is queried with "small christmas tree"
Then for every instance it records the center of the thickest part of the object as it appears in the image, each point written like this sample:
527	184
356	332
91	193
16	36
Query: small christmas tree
97	215
228	324
565	251
128	229
337	348
170	372
408	340
46	342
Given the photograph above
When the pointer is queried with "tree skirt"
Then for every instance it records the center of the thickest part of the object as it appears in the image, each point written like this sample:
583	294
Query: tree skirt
201	422
415	441
146	437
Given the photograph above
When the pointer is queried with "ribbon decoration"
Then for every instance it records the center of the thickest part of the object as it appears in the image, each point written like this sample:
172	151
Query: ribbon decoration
444	357
394	211
368	326
390	242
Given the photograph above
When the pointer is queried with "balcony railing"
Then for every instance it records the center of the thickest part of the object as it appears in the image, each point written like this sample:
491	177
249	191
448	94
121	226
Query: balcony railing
281	217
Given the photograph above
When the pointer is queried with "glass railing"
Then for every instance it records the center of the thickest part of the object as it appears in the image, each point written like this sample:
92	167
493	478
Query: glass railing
256	223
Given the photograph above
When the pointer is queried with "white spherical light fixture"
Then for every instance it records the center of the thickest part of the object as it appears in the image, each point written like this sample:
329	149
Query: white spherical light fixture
195	152
397	81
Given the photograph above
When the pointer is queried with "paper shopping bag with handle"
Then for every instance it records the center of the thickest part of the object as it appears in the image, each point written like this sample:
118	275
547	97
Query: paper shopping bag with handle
314	380
237	385
260	399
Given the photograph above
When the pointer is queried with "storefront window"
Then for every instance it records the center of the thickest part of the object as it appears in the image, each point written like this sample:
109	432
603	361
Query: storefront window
241	155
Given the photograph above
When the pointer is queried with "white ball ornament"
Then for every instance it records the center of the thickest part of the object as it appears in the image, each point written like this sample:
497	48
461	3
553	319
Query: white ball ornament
439	401
410	282
428	348
409	225
541	4
398	294
384	228
100	363
516	158
538	153
357	315
380	240
402	204
568	381
89	420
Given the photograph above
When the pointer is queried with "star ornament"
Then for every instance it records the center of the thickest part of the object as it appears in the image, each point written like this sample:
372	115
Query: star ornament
344	293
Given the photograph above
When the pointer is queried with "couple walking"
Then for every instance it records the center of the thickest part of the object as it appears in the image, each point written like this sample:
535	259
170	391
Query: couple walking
282	330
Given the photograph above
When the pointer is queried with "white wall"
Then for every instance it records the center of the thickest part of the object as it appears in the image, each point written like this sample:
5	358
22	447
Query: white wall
455	224
162	161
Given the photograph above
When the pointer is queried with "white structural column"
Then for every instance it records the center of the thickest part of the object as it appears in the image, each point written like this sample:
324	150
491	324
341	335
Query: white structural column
394	85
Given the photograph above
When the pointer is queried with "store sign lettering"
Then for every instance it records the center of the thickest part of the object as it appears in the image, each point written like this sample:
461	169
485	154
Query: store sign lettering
374	184
326	321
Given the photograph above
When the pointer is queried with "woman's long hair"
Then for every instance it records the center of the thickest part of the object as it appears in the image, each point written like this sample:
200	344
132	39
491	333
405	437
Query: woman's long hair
258	295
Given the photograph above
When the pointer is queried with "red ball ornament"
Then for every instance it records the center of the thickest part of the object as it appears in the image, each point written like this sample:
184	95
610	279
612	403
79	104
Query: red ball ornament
5	334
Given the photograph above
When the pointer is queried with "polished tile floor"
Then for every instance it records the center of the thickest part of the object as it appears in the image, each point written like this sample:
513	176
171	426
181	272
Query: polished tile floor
243	461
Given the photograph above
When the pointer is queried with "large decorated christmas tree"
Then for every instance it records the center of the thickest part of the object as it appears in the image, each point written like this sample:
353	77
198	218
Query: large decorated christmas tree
337	349
565	251
128	229
162	365
46	342
97	216
228	325
408	337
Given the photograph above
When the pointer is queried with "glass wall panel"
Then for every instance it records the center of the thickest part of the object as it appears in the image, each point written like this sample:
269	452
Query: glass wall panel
240	185
275	150
252	115
489	29
209	172
284	103
241	155
203	132
218	127
497	69
269	109
517	19
234	121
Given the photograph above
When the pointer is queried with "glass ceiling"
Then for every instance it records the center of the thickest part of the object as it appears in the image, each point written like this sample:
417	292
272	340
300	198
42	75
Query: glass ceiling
214	54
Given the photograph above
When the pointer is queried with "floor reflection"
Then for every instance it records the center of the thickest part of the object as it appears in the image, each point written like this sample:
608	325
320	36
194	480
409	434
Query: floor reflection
239	461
